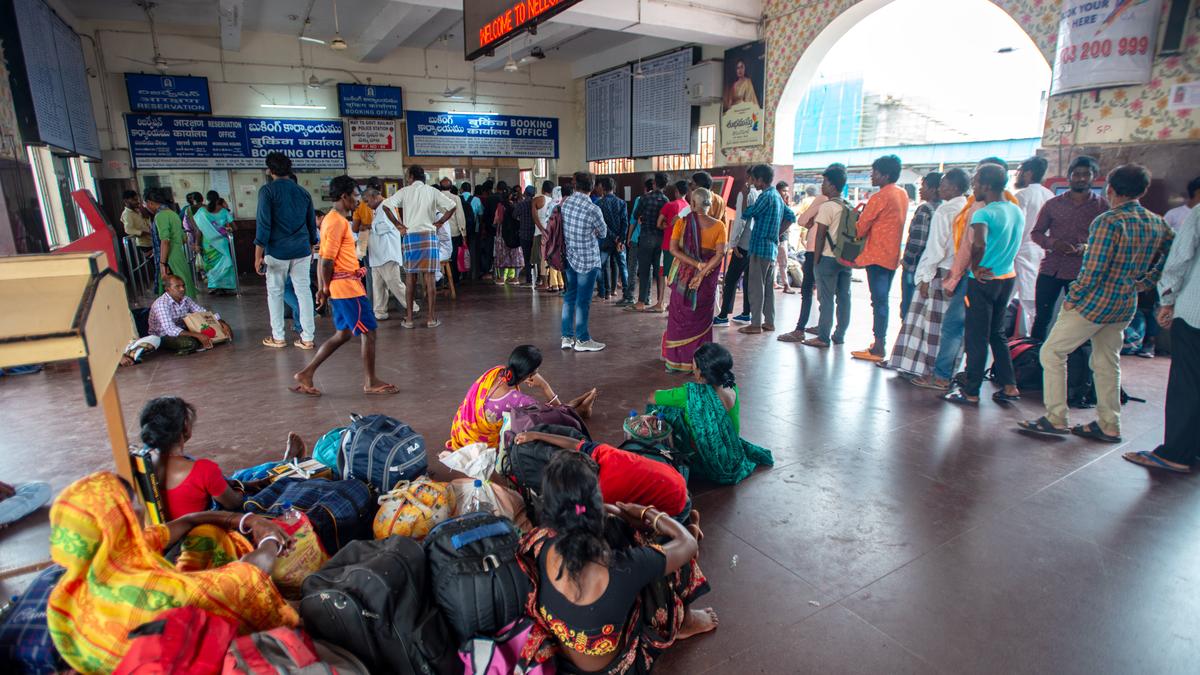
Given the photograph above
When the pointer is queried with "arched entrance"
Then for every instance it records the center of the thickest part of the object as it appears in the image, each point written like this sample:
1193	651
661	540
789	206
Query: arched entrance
799	34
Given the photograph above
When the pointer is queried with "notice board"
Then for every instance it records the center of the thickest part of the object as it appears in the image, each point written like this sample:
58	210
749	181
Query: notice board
663	122
609	108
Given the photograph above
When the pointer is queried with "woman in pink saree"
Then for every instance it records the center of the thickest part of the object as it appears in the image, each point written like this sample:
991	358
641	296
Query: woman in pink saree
698	244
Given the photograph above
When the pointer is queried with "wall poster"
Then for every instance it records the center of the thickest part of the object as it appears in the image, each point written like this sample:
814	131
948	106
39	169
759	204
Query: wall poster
741	105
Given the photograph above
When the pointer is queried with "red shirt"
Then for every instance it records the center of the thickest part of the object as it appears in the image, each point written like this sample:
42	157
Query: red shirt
669	213
203	484
628	477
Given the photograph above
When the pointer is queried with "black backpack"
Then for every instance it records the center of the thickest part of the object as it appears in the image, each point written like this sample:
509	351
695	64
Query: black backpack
477	582
1027	365
658	452
525	463
469	215
372	599
381	451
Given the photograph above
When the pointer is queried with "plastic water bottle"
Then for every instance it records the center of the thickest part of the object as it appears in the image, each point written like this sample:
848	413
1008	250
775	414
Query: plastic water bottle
478	500
291	516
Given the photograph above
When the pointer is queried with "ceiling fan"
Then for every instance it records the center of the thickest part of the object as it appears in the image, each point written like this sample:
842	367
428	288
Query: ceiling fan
159	63
337	43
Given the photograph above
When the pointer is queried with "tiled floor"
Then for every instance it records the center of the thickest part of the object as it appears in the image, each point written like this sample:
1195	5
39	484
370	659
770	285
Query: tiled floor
894	534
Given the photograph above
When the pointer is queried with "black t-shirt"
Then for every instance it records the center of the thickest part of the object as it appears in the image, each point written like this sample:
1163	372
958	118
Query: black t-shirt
596	629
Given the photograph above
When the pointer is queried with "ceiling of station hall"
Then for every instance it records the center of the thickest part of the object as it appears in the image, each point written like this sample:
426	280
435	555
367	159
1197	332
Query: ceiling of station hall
592	35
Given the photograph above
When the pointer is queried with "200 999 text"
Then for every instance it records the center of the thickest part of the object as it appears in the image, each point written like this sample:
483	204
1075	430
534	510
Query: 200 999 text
1126	46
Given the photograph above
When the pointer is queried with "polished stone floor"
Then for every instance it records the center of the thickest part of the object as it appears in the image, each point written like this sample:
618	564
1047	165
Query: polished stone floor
894	534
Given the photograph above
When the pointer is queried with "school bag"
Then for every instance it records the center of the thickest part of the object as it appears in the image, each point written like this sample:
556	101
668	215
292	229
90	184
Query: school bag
501	655
553	244
287	650
328	446
181	641
847	245
525	463
477	582
340	510
381	451
468	215
372	599
1026	360
25	643
528	417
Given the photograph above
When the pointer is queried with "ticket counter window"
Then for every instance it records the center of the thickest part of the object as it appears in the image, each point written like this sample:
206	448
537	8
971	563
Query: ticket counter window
56	176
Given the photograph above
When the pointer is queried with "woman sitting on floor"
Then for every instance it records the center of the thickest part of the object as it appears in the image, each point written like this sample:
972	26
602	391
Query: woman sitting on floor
190	485
589	566
117	578
706	418
481	415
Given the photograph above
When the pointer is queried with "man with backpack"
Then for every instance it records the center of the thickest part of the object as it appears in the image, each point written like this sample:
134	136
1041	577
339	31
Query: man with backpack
1124	255
881	227
833	218
768	213
471	208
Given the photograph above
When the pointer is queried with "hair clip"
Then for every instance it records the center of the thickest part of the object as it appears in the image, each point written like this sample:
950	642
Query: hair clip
580	509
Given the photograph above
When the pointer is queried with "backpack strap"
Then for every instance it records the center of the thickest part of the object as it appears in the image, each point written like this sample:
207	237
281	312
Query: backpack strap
495	529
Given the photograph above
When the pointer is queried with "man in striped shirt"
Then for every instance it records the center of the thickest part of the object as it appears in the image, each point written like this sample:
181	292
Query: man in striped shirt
1123	256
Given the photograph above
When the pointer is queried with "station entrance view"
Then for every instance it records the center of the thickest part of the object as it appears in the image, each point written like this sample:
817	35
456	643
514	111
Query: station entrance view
599	336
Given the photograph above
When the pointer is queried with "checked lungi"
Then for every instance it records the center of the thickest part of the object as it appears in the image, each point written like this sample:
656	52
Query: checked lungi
916	349
420	252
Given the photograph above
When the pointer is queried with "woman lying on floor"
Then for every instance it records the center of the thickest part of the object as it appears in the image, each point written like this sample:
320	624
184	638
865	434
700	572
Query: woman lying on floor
481	415
706	418
191	485
117	578
591	564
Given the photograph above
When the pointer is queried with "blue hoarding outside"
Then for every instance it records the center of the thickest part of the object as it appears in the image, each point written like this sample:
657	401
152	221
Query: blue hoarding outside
435	134
178	142
369	100
168	93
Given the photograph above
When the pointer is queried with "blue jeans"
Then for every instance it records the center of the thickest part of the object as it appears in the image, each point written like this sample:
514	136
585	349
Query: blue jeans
618	271
953	322
577	302
879	281
908	284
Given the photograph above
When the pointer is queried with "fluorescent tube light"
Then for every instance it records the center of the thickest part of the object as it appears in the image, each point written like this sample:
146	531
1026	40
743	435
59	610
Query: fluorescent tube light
290	106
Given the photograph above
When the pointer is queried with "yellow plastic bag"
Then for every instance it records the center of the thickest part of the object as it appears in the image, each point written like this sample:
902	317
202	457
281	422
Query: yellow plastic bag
412	508
306	557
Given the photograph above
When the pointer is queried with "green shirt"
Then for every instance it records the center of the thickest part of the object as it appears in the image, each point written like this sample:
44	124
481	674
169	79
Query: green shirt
677	398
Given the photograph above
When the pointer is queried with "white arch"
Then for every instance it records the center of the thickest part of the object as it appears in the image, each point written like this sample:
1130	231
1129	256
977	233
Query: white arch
803	73
784	120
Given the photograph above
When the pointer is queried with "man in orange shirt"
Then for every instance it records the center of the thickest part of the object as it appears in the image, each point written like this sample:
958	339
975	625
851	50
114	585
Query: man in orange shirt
882	225
340	285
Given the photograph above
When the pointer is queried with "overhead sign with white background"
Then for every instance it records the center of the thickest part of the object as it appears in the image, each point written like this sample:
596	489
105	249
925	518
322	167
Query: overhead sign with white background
436	134
1105	43
372	135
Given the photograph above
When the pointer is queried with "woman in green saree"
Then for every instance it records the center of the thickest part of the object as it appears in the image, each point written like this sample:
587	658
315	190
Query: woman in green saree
705	416
172	254
210	222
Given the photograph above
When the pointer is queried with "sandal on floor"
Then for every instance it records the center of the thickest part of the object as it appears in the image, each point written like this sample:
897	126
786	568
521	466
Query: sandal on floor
960	398
1001	397
273	343
384	390
928	383
433	324
1042	425
1092	431
305	389
1148	459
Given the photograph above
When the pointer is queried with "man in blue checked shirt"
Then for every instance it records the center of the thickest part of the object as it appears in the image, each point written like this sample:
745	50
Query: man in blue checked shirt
768	213
583	228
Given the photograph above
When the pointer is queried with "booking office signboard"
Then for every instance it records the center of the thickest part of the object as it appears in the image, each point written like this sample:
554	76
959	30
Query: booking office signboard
1105	43
743	90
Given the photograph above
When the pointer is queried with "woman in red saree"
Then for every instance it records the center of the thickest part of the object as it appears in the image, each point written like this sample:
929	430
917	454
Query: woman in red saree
698	244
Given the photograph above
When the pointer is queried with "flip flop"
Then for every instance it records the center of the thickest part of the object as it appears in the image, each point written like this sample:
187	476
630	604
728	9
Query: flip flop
1001	397
1148	459
385	390
433	324
926	383
408	324
959	398
305	389
1093	431
1044	426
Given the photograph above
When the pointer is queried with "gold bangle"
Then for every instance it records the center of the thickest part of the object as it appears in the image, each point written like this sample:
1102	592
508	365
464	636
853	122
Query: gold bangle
644	510
654	524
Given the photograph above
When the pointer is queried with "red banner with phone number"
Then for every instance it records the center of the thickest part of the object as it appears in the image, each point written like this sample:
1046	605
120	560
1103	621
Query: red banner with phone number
1105	43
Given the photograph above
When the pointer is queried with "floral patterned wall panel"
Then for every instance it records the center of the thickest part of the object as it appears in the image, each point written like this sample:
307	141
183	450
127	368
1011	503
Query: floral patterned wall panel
1137	113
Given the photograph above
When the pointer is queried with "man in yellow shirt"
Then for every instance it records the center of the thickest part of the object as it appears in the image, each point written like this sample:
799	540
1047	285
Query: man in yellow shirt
340	285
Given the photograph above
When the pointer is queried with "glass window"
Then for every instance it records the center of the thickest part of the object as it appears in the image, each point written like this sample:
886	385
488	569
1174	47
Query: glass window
705	157
611	166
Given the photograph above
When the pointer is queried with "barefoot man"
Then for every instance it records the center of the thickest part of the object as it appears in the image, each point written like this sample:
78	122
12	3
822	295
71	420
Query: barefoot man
340	285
